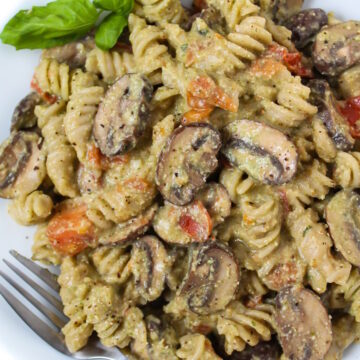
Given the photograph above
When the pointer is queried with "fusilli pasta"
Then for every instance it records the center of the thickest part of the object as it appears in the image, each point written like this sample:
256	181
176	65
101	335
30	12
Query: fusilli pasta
61	157
31	209
109	64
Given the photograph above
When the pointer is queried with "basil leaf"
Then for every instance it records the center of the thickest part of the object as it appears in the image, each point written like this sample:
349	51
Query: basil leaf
109	31
56	23
123	6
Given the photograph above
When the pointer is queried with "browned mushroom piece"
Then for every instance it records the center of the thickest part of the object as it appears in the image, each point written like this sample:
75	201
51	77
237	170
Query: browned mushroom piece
337	48
73	53
216	200
211	16
303	324
212	278
149	261
283	9
187	159
23	116
338	129
129	230
343	218
22	164
123	115
305	25
183	225
262	152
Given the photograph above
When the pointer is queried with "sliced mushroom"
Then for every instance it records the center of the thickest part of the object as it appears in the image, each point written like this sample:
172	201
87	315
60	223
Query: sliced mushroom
212	17
73	53
123	115
23	116
22	164
262	152
349	82
212	279
303	324
183	225
337	48
130	229
343	218
187	159
216	200
283	9
305	25
149	261
328	113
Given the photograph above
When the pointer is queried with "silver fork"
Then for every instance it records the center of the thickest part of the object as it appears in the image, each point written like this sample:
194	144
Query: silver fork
94	349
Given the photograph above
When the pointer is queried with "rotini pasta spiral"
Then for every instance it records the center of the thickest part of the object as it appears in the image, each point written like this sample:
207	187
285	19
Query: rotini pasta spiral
75	285
282	96
196	347
250	38
314	245
42	250
112	263
78	121
120	203
109	64
204	49
351	292
303	139
236	182
235	10
114	322
61	158
150	54
156	11
311	183
256	221
241	326
347	169
31	209
53	78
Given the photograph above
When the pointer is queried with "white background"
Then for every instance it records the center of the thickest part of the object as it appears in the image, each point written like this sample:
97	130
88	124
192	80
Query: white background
17	341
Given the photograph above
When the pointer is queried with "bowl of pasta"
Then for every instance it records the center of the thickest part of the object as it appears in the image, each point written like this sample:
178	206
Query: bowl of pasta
190	172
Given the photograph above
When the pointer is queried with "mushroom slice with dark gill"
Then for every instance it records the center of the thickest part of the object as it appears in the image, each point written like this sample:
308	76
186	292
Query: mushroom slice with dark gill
149	261
212	279
305	25
187	159
342	215
123	115
303	324
338	129
183	225
337	48
129	230
216	200
73	53
23	116
22	164
262	152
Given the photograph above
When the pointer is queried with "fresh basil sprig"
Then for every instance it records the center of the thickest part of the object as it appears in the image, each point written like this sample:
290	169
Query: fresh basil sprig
63	21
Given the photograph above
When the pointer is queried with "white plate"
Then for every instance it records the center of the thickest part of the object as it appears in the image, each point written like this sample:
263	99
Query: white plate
17	341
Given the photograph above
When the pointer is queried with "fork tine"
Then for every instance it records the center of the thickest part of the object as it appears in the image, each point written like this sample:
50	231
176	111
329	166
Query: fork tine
44	274
41	307
49	335
50	298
